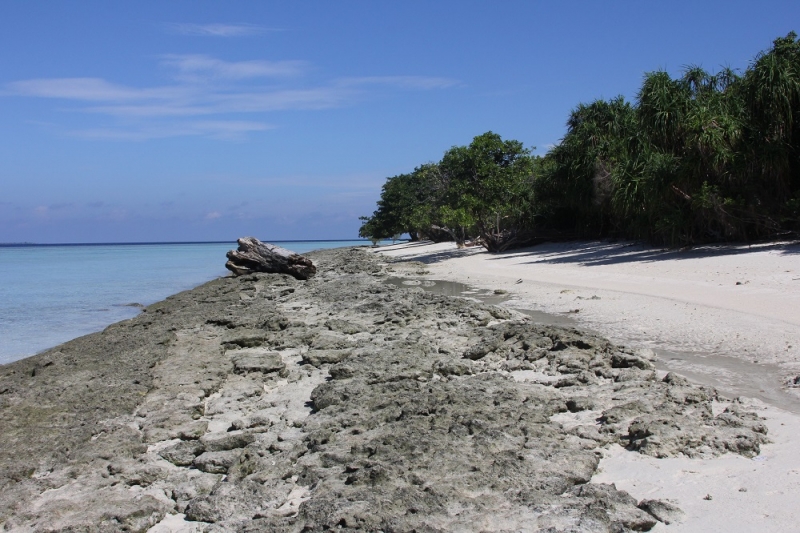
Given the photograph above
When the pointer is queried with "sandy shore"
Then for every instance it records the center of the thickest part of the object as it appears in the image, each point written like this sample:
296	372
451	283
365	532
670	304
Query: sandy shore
728	316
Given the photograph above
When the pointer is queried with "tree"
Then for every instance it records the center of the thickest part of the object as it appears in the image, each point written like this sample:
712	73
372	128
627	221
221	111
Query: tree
578	185
771	90
488	186
408	204
698	157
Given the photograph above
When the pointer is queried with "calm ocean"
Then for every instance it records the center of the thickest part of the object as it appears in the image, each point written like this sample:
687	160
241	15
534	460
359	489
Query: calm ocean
50	294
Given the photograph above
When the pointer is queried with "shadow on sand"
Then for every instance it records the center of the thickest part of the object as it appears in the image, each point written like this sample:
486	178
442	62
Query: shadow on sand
597	253
442	255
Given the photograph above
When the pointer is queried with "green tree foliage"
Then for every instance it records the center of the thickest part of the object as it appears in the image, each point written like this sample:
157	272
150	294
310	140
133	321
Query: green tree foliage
771	92
409	203
698	158
576	187
488	185
480	191
703	157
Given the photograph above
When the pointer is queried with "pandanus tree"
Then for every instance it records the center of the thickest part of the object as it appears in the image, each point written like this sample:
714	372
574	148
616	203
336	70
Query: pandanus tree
699	157
692	130
771	90
580	176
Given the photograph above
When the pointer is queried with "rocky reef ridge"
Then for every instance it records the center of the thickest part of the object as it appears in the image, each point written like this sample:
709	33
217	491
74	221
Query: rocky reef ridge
266	403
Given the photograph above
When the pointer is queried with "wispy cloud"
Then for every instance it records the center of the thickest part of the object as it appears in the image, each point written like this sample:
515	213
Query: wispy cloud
200	67
217	30
403	82
215	129
88	89
222	92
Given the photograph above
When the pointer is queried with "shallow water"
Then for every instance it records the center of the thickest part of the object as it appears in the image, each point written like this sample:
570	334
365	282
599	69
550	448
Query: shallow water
731	376
449	288
50	294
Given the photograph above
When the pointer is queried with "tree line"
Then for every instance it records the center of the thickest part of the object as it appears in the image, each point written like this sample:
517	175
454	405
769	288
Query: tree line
698	158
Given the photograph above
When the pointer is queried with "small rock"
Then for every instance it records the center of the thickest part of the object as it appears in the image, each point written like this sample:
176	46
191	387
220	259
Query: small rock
452	368
662	511
343	326
647	354
228	441
255	360
182	453
318	358
245	338
216	462
575	405
191	431
676	380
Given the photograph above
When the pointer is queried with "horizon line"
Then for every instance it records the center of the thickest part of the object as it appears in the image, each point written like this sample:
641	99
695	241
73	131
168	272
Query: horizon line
134	243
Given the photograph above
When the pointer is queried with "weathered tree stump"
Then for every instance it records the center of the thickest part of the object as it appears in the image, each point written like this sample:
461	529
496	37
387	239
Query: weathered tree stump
256	256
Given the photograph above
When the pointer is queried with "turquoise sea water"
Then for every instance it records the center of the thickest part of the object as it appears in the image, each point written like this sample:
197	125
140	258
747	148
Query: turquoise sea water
53	293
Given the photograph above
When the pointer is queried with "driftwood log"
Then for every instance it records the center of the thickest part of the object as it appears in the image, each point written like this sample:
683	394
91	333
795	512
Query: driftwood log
256	256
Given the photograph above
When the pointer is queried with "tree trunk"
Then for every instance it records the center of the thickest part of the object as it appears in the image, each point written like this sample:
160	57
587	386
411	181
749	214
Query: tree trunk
256	256
437	234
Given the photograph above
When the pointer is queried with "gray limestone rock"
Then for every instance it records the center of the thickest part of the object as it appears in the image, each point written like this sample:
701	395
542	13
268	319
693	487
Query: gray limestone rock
343	326
216	462
318	358
662	511
341	403
182	453
222	442
256	360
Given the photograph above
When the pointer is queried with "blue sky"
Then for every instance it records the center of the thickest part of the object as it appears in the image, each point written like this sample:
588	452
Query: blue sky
164	121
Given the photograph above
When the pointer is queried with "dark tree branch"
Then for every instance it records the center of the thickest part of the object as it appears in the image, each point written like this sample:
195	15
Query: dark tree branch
256	256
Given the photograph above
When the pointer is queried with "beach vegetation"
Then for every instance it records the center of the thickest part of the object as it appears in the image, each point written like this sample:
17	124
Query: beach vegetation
701	157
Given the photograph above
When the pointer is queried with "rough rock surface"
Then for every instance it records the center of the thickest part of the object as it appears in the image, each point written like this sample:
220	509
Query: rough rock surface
264	403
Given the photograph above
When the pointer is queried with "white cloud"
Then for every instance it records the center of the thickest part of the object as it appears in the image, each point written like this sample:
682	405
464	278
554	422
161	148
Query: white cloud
218	30
88	89
220	102
180	100
198	67
209	87
213	215
216	129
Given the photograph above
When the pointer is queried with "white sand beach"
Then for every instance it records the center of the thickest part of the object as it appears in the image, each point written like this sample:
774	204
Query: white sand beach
728	316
